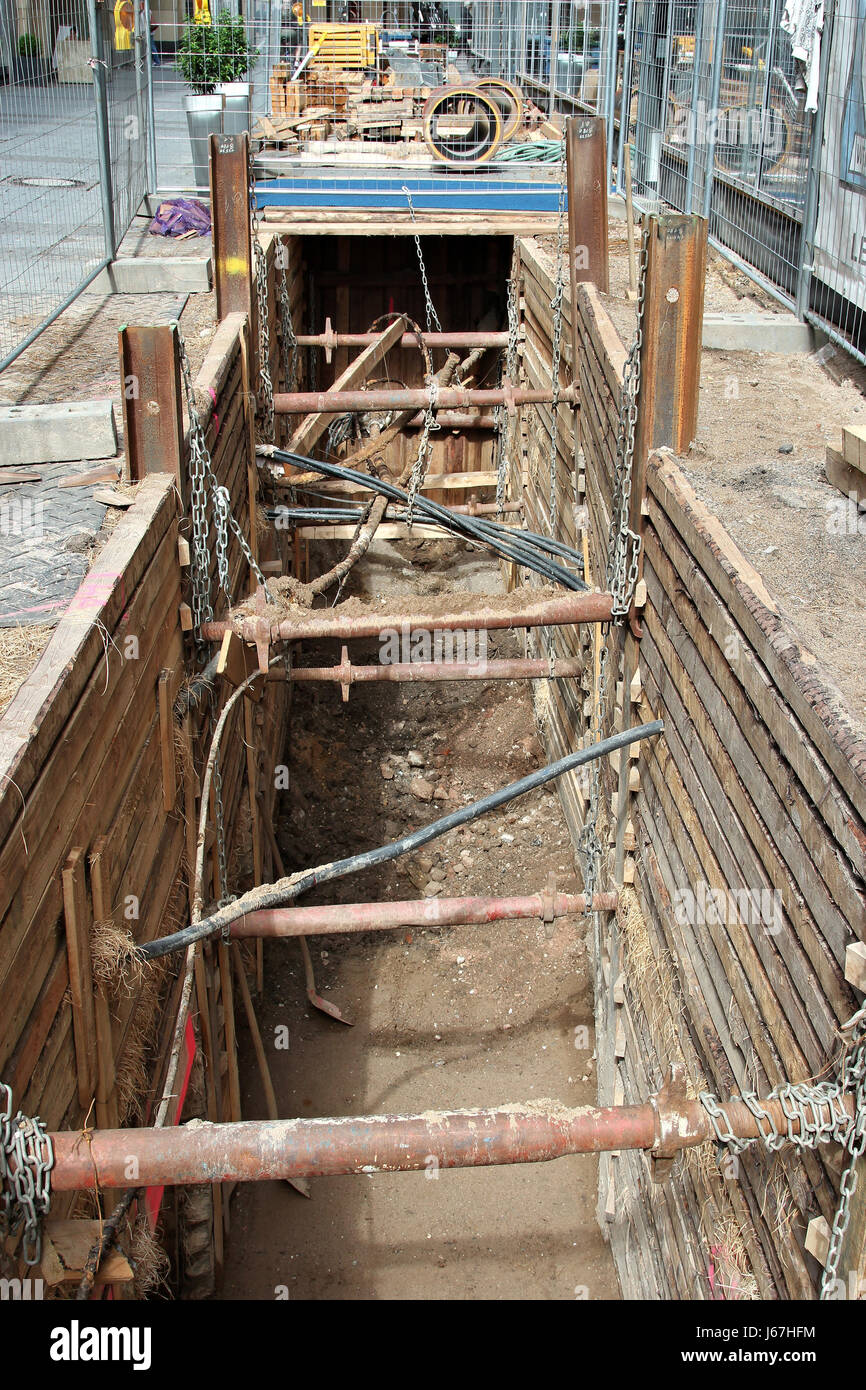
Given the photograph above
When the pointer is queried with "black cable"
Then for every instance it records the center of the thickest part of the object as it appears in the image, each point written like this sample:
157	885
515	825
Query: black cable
257	899
508	542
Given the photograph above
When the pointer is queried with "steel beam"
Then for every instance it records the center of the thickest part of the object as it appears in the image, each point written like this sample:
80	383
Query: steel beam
232	232
587	177
428	912
152	402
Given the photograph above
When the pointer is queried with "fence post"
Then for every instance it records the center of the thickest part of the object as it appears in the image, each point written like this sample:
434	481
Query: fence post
813	175
587	178
554	54
151	116
99	68
718	56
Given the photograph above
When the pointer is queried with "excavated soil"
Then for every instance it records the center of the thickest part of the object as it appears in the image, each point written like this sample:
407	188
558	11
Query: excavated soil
458	1017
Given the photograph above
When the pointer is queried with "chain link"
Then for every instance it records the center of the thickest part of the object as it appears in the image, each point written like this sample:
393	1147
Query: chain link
506	422
265	385
26	1160
425	448
589	843
556	306
624	545
202	476
288	338
432	316
820	1117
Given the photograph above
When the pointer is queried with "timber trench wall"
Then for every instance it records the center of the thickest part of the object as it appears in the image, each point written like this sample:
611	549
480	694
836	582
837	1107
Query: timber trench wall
759	782
100	753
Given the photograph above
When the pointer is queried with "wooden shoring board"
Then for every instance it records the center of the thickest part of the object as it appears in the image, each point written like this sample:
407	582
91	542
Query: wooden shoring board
793	669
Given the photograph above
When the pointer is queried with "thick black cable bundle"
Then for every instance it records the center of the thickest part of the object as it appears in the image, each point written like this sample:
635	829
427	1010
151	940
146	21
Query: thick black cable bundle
278	896
524	547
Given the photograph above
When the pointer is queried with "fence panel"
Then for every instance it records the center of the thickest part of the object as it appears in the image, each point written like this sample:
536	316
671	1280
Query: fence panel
836	296
55	189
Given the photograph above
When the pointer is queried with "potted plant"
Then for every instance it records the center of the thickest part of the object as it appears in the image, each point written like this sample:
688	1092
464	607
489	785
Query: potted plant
29	58
236	59
198	61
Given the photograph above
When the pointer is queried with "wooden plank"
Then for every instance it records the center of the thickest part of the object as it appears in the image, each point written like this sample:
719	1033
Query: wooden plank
106	1100
78	921
793	668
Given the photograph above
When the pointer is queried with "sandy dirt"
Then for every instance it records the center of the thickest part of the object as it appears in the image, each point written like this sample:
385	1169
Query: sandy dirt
459	1017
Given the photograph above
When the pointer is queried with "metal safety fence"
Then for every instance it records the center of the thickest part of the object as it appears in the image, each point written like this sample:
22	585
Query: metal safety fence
73	139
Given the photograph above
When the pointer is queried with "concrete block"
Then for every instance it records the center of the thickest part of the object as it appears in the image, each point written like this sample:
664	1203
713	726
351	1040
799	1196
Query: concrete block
61	433
758	333
155	275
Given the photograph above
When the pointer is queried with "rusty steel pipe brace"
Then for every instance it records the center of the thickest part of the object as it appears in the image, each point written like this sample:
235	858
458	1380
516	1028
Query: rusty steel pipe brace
329	340
414	398
426	912
259	630
265	1150
500	669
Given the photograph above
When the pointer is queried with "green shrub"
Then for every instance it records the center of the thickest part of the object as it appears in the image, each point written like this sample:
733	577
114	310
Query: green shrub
212	53
29	46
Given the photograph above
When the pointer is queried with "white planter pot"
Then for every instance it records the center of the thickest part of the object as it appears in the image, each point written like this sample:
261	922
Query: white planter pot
204	117
238	114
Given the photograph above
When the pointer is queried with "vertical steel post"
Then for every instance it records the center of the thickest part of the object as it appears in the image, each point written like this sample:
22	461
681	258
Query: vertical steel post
670	363
610	86
554	54
153	167
693	114
718	57
103	141
587	178
813	174
232	233
625	99
152	403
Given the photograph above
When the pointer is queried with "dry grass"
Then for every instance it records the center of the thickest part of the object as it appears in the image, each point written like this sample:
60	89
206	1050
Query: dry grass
150	1262
20	649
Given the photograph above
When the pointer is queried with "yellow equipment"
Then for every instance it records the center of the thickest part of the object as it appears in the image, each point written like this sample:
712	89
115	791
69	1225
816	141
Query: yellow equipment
342	47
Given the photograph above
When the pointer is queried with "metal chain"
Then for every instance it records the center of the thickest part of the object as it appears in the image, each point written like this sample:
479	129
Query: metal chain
624	545
805	1106
199	468
556	306
225	895
26	1160
425	448
506	429
432	316
589	843
265	385
202	476
288	338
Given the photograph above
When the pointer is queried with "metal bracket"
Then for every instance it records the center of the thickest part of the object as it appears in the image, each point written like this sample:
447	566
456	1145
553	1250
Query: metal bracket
548	899
674	1122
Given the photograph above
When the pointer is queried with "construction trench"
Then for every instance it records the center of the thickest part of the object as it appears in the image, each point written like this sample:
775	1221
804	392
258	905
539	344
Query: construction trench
444	669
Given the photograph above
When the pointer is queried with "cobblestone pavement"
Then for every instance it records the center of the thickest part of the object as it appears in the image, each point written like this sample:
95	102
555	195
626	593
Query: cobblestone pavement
46	536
